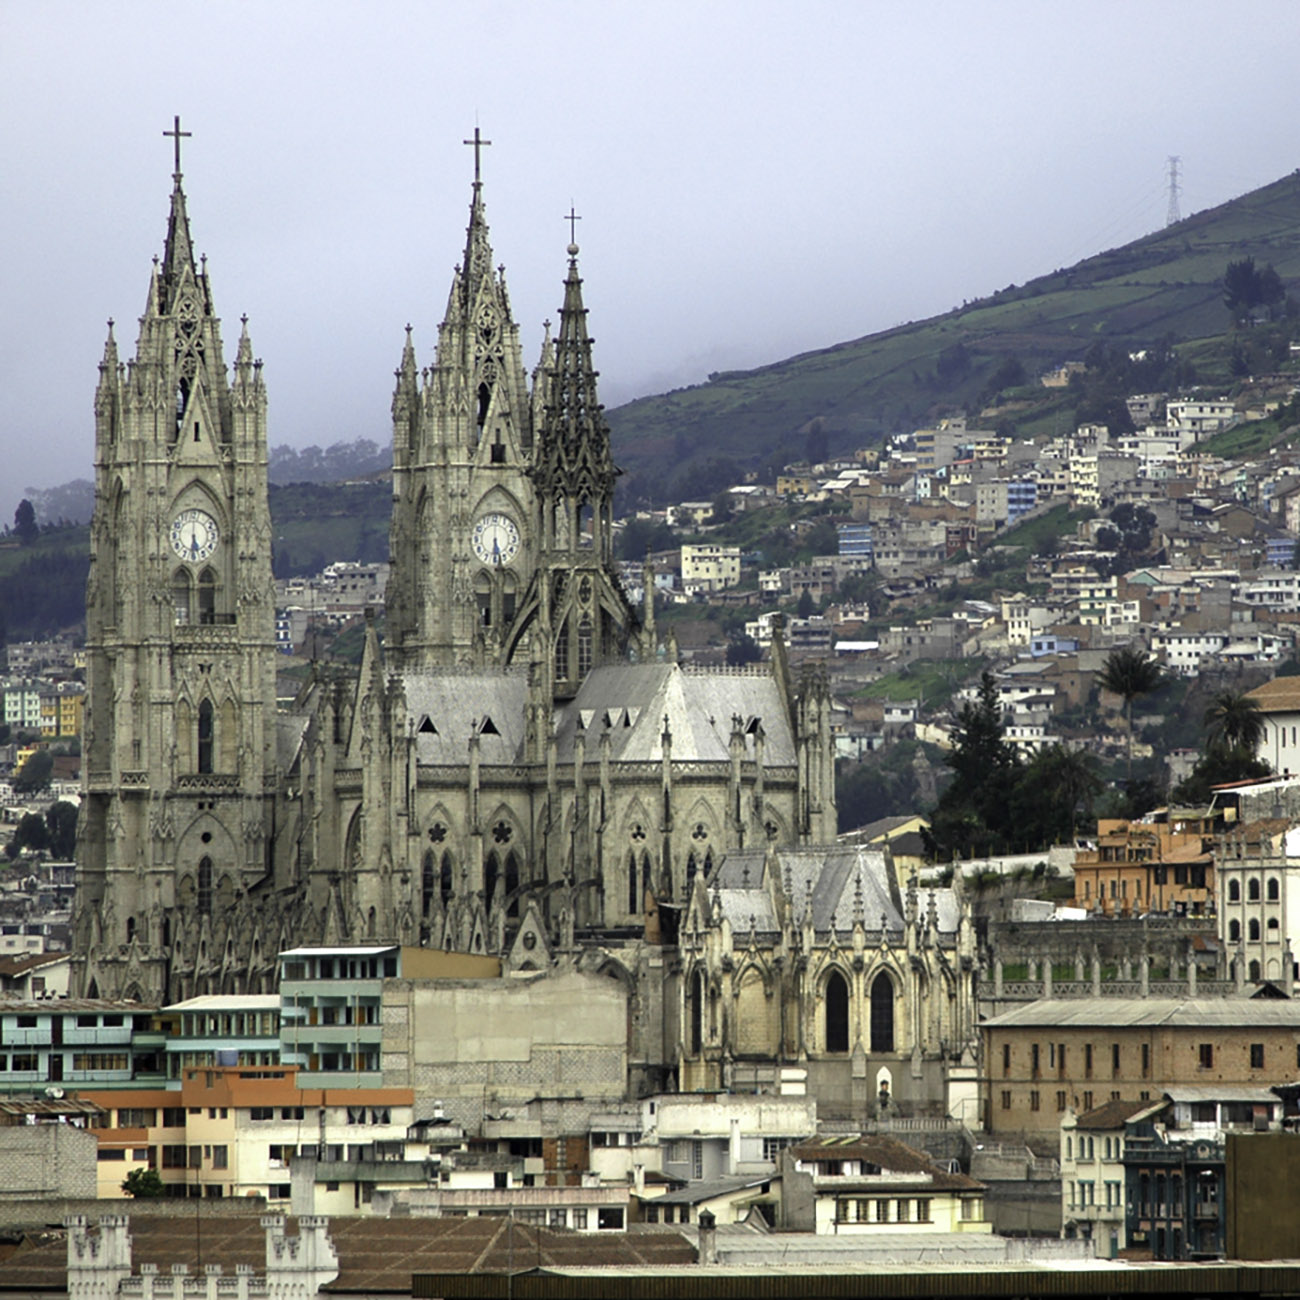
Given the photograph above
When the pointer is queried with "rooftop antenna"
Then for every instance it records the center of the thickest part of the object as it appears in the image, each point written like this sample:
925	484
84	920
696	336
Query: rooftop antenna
1174	216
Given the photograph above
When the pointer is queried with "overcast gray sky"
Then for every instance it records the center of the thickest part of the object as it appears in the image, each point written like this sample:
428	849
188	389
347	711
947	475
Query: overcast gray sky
755	179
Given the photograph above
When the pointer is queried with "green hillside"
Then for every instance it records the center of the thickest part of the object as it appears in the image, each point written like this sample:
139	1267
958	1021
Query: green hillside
1168	285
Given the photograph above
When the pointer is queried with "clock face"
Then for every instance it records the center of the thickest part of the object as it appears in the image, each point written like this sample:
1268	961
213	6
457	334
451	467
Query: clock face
496	539
194	535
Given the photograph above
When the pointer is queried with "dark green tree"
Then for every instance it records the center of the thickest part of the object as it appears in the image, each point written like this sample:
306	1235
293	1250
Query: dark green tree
30	833
61	823
34	774
743	650
1067	781
25	526
144	1184
805	607
975	813
1129	673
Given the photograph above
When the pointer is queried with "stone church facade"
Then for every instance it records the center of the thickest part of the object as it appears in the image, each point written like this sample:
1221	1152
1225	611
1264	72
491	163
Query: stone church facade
520	745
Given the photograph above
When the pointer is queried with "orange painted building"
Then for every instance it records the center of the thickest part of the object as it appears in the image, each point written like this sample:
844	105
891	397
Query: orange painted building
1163	863
233	1131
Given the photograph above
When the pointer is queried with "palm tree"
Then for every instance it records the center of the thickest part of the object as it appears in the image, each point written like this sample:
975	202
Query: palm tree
1129	673
1233	722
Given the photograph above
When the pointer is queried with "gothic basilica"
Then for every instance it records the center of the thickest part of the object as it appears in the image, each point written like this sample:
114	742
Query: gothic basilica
518	752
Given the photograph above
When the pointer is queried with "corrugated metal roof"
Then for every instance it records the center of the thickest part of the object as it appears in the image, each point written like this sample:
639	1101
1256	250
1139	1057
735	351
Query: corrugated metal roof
1121	1013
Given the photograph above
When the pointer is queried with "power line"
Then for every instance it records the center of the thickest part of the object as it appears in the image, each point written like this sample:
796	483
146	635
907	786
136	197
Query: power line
1174	216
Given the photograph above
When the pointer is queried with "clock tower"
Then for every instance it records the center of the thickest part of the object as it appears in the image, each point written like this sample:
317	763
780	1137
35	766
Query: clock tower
461	549
179	758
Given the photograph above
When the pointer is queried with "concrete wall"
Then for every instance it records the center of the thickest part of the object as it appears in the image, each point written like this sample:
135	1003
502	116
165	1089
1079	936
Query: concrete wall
47	1160
482	1045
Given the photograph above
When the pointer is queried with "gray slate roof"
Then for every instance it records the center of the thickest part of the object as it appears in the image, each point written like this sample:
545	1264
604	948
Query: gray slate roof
831	875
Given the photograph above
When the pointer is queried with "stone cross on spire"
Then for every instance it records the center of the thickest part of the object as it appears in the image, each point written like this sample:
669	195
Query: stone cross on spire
572	218
479	144
176	134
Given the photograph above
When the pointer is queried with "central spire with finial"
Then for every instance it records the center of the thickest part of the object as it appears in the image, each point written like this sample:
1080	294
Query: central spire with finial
572	218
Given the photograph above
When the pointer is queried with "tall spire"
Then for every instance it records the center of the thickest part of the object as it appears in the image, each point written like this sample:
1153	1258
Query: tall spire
478	251
178	251
575	451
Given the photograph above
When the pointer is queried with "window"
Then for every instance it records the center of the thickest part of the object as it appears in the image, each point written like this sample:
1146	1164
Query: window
837	1012
173	1117
1205	1054
1006	1092
292	1112
260	1114
1252	891
1087	1060
111	1153
923	1210
1252	928
1146	1060
882	1210
1035	1101
1234	891
1234	931
1006	1059
1060	1100
579	1217
1087	1101
1257	1056
882	1013
220	1157
1033	1060
173	1156
1060	1061
903	1211
1114	1060
1272	889
557	1218
205	736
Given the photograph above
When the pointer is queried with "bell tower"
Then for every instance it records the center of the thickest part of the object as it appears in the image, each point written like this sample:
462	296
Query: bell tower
460	546
179	763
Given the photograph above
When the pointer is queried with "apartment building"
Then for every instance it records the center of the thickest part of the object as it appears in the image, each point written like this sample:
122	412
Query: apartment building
234	1131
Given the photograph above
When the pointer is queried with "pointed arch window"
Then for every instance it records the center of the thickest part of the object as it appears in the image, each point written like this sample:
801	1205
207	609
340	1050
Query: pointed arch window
484	401
205	736
512	882
446	880
207	596
562	653
428	886
586	524
697	1014
584	646
1272	889
1252	891
691	869
882	1013
633	903
181	595
204	900
837	1013
491	874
